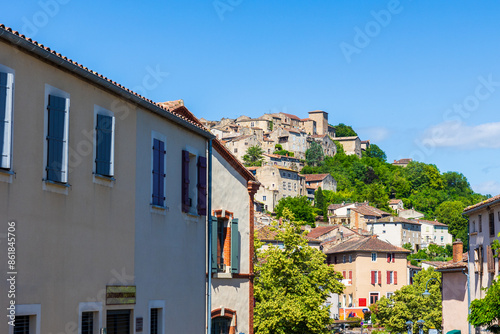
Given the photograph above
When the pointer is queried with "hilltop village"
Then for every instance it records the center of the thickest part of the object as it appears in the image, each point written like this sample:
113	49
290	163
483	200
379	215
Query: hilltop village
125	215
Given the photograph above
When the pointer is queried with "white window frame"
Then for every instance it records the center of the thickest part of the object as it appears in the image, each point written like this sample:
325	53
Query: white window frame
95	307
9	113
50	90
161	305
391	277
98	110
33	310
163	138
376	276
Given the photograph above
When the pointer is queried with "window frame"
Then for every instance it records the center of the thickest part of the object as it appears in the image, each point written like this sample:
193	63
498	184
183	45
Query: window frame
98	110
33	311
96	308
6	163
160	305
374	257
162	138
53	91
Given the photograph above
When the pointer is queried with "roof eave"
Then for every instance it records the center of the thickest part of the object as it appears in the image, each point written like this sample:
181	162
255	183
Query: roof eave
48	56
466	212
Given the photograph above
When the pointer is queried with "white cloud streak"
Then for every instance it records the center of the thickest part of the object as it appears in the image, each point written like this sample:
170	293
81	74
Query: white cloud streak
462	136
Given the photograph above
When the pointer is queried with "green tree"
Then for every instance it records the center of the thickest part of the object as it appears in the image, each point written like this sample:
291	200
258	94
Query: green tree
253	157
377	196
292	285
343	130
320	203
300	207
450	213
314	155
375	152
408	303
486	311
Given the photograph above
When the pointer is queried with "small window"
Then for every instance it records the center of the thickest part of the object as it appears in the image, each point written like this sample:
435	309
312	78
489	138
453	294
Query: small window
6	109
263	198
235	150
104	144
350	258
57	138
492	224
480	223
343	258
225	241
88	323
373	297
158	182
374	257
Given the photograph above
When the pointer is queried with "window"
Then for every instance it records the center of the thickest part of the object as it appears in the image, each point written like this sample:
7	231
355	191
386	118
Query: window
492	224
118	321
350	258
6	108
158	173
284	185
374	257
263	198
87	323
376	277
390	277
343	258
225	245
373	297
104	143
155	321
350	300
390	294
191	189
27	320
344	274
391	257
57	138
480	223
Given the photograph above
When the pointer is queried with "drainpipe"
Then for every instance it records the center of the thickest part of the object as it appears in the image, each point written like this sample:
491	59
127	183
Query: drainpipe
468	278
209	241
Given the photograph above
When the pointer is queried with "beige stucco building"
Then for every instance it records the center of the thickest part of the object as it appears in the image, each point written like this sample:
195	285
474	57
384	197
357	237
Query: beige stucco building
351	145
232	243
239	145
371	269
108	229
434	232
397	231
326	142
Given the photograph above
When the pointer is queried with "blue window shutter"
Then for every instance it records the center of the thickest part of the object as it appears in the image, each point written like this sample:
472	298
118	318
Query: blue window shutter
202	186
104	138
214	244
4	122
235	247
55	138
158	172
185	181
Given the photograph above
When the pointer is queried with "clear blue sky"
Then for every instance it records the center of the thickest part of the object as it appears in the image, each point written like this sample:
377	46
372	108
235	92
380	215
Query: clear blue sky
420	79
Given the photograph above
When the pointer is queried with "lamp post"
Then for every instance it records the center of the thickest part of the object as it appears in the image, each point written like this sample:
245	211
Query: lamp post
426	293
409	325
420	324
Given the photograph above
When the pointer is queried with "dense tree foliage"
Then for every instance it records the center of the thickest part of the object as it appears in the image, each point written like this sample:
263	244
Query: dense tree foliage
421	186
314	154
486	311
284	152
375	152
253	157
431	253
343	130
299	206
292	284
408	303
320	203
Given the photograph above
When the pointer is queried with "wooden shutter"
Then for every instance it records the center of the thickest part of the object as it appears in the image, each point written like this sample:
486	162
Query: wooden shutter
158	172
395	278
388	257
185	181
350	275
5	119
202	186
344	274
235	247
55	138
388	277
379	277
214	244
490	259
104	137
393	257
373	276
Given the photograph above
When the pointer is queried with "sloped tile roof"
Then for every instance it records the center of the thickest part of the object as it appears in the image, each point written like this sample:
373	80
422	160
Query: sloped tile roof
365	244
365	211
450	265
85	72
346	138
483	203
397	220
394	201
291	116
431	222
315	177
320	230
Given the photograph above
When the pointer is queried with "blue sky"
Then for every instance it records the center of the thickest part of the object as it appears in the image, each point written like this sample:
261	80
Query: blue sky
421	79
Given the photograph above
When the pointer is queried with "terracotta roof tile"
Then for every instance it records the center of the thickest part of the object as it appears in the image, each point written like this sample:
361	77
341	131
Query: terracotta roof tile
365	211
346	138
432	222
291	116
320	230
480	204
397	220
365	244
91	72
394	201
315	177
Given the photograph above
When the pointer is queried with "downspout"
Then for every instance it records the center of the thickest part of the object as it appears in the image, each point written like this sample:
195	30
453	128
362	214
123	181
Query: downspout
209	240
468	279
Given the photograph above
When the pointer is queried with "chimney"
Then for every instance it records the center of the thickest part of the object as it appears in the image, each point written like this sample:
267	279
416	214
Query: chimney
392	219
458	250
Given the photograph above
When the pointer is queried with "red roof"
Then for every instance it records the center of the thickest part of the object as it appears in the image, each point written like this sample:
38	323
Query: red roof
320	230
365	244
432	222
291	116
315	177
480	204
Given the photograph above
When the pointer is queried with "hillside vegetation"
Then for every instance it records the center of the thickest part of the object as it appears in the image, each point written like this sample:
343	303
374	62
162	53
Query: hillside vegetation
441	196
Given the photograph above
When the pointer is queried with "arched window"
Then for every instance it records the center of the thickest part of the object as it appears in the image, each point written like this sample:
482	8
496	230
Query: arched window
220	325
